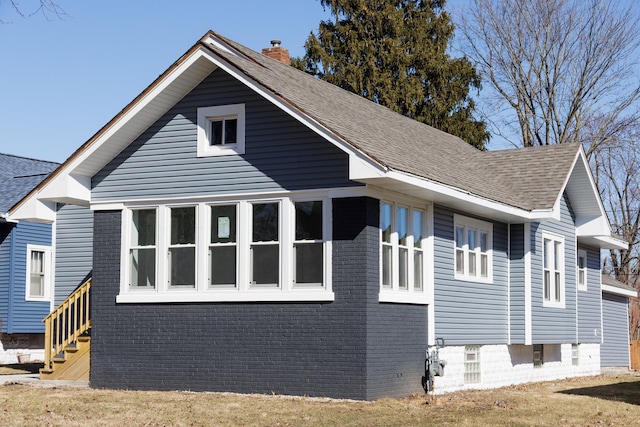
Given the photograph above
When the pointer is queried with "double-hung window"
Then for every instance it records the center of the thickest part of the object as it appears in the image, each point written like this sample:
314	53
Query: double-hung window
473	241
553	270
142	249
402	252
182	248
308	244
582	269
38	273
265	244
223	247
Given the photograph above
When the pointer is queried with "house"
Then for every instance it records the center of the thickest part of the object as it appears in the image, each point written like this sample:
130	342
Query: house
25	263
258	230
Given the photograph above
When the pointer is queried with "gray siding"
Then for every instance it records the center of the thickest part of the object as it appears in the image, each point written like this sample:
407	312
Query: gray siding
517	296
280	153
589	301
74	249
468	312
353	347
552	325
614	350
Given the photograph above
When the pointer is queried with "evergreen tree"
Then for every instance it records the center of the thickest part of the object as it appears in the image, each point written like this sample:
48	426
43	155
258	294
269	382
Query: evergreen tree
394	52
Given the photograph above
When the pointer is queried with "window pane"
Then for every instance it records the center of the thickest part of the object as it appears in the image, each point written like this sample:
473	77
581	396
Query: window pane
37	262
547	285
386	266
404	268
143	232
216	133
545	253
581	277
581	262
265	261
459	261
484	265
223	224
385	222
183	226
402	226
143	268
472	264
483	242
308	259
557	255
222	265
557	286
459	237
309	220
472	239
418	270
182	267
36	286
265	222
230	131
417	229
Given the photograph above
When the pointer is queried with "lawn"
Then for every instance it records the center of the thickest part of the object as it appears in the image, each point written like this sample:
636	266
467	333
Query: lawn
605	400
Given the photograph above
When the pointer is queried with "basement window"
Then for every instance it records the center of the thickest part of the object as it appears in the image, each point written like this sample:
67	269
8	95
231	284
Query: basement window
221	130
538	355
471	364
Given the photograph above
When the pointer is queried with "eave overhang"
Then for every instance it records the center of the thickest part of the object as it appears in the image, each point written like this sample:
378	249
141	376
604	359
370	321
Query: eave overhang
631	293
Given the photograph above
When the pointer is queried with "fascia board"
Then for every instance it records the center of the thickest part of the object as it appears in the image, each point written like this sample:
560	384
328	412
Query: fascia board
619	291
610	242
534	215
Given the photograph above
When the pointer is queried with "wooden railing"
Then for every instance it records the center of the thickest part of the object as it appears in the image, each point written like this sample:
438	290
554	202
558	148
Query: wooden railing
66	323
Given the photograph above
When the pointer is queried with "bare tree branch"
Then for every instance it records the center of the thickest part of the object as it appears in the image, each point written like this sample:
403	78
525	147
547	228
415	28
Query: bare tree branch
48	8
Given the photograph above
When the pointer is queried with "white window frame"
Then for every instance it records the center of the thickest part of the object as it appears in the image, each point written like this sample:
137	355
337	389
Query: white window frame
471	224
243	291
553	300
208	115
584	270
46	296
409	294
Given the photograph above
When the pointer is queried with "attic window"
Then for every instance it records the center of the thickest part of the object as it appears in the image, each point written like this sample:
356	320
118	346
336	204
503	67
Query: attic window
221	130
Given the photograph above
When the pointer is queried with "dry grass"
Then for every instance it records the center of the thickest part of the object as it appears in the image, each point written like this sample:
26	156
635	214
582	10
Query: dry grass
606	400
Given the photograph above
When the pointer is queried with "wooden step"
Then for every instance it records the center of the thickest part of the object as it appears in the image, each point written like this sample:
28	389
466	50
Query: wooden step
72	364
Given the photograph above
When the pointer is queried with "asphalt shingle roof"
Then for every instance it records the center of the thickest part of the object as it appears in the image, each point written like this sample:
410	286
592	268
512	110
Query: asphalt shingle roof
529	178
18	175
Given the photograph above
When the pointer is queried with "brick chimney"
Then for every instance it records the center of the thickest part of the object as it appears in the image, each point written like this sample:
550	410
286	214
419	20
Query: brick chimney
277	52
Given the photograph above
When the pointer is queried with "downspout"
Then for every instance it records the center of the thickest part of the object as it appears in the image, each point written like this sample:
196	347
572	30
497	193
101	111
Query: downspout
509	284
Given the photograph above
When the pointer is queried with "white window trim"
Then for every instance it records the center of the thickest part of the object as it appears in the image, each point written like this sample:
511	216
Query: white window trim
479	225
410	295
555	238
582	253
206	115
47	273
243	292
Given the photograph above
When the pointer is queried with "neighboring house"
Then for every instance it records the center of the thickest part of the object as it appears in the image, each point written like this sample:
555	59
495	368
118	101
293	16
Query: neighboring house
614	351
25	262
258	230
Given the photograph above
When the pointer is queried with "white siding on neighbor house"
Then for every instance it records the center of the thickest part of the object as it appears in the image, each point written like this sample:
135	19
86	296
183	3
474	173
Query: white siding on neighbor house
468	312
615	319
280	153
74	249
551	325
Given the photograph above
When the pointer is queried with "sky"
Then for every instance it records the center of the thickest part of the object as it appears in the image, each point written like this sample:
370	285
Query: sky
61	80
